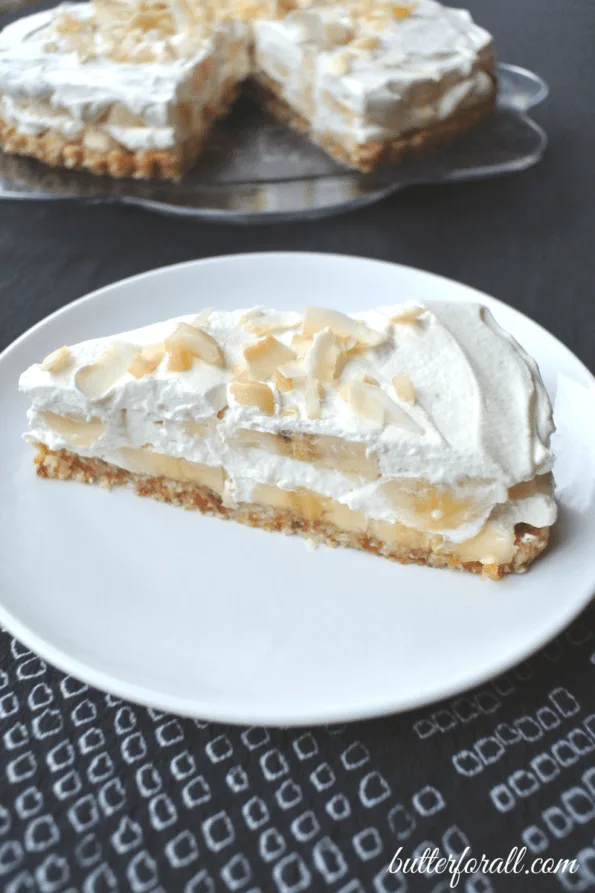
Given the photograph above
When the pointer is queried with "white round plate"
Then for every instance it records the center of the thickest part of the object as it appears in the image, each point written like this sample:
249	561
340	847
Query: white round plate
212	619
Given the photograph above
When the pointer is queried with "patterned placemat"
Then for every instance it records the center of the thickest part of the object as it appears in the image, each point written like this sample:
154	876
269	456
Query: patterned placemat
99	795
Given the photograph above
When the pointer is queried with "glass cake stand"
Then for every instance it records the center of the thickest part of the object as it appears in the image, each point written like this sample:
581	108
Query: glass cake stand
256	171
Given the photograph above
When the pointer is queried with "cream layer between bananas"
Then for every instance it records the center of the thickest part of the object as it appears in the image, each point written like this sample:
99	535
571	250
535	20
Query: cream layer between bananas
439	394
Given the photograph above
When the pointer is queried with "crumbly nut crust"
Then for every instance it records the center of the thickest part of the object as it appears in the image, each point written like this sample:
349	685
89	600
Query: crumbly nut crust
65	465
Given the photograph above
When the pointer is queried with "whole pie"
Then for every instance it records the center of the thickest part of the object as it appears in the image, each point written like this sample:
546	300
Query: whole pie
132	87
420	433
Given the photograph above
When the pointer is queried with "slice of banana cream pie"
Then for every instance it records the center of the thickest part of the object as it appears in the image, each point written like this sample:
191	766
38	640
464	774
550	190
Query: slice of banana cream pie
420	433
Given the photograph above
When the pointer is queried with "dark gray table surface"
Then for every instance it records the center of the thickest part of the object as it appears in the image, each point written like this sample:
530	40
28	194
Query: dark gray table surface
96	795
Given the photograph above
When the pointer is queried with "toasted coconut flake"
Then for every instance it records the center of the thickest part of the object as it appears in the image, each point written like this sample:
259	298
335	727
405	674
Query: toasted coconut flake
264	357
254	393
367	42
339	64
337	33
294	373
239	370
254	313
96	379
314	395
180	358
301	344
290	411
326	358
202	318
181	13
262	322
282	383
356	348
295	369
354	393
402	10
318	318
151	31
370	402
57	361
147	360
409	313
404	388
197	342
350	343
365	378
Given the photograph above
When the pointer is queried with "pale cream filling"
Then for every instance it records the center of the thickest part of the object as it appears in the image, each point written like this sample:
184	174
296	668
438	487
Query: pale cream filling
427	507
118	127
493	545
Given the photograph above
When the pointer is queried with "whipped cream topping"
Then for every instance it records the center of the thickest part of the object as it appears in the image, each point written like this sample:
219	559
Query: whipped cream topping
376	71
67	81
358	69
480	420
